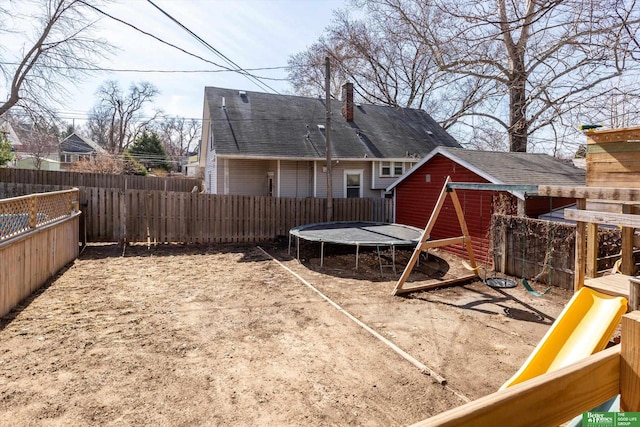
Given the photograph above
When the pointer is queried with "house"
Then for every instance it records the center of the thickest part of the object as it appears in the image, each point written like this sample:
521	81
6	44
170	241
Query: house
10	134
31	151
74	148
416	192
190	167
274	145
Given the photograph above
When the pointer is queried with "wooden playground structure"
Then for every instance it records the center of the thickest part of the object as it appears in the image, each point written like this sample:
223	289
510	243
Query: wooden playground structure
449	190
611	197
425	244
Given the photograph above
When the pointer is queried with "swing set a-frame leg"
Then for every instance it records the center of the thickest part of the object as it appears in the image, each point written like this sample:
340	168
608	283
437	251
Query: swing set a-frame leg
424	244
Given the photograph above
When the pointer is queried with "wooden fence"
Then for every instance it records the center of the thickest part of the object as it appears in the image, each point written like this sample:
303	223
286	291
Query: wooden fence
113	215
545	250
103	180
139	216
38	236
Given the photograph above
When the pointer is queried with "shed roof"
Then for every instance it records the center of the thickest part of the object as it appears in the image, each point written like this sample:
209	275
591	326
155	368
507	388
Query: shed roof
509	168
255	124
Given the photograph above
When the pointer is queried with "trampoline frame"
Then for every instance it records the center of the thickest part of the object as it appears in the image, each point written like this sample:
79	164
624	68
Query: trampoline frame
392	242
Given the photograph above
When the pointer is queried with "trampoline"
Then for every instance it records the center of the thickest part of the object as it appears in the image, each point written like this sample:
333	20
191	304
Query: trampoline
357	233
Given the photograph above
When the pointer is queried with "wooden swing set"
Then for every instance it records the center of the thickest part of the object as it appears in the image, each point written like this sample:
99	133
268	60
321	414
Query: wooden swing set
424	244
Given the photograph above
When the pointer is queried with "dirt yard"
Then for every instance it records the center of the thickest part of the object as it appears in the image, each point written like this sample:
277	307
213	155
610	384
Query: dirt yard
225	335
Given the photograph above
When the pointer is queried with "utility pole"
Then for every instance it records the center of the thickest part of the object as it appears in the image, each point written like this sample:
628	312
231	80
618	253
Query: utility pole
327	132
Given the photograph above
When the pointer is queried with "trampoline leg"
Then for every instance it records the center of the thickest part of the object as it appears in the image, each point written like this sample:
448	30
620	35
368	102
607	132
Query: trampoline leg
393	258
357	254
289	250
379	260
321	254
298	248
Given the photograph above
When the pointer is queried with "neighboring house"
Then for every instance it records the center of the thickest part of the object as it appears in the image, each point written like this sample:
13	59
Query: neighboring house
74	148
29	153
191	165
28	161
16	145
10	133
416	192
274	145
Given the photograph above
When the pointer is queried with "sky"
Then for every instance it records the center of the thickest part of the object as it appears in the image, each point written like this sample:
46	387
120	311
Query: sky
252	33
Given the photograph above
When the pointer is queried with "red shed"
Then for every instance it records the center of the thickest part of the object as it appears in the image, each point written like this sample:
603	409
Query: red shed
416	192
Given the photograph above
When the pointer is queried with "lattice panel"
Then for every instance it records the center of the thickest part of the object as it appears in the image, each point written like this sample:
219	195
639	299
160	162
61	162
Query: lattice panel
14	216
20	214
50	207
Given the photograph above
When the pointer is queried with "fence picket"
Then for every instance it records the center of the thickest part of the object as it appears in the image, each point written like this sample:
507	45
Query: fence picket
82	179
207	218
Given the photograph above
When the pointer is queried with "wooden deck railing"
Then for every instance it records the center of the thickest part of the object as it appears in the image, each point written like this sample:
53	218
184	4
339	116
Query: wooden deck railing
38	236
557	397
21	214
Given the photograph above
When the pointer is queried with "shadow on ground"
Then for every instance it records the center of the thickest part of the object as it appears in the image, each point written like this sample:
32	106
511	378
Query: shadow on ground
497	298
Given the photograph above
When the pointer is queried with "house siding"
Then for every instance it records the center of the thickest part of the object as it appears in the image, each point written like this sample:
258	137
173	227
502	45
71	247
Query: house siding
338	179
211	171
416	199
292	178
247	177
296	179
382	182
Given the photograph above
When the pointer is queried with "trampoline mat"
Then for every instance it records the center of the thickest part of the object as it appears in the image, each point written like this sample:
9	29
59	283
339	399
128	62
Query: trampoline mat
359	233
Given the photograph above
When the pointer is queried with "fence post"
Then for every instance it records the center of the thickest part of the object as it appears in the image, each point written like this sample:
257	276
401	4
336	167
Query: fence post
628	264
630	363
33	220
123	214
592	250
581	249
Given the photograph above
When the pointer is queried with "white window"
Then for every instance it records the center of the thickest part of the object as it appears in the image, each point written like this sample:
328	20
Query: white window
385	168
353	183
66	158
391	169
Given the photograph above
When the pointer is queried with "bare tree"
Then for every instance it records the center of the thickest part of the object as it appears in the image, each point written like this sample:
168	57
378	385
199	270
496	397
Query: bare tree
306	71
618	107
39	138
386	67
59	47
540	58
122	114
97	127
179	136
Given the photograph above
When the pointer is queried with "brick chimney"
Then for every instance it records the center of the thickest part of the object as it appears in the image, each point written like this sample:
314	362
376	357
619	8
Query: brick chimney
347	101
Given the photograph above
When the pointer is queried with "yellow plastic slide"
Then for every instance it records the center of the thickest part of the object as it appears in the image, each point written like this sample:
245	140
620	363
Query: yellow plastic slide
584	327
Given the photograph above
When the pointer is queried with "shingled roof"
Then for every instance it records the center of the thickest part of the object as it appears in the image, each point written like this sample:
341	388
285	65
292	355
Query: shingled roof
510	168
74	143
254	124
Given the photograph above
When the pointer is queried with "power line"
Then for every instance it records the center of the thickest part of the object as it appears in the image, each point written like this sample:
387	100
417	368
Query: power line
239	69
134	70
156	37
78	115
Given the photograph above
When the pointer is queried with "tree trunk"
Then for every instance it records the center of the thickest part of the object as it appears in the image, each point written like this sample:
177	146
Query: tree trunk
518	125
